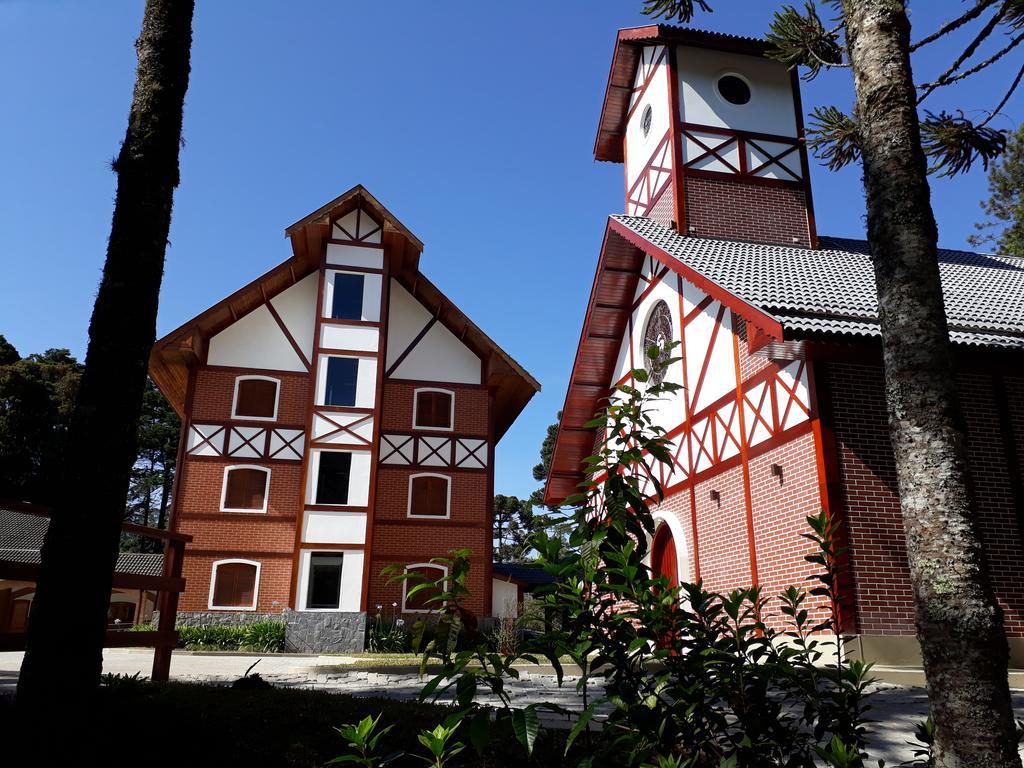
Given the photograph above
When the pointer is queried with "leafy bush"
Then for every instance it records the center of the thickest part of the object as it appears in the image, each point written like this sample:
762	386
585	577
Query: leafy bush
264	637
691	678
387	635
260	636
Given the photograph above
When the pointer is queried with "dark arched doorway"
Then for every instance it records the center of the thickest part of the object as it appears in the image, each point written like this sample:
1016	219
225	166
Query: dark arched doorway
664	561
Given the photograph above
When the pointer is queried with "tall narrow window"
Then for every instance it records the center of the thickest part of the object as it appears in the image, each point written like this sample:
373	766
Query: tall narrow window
420	601
234	585
433	409
347	300
245	489
342	373
428	496
332	477
323	589
255	398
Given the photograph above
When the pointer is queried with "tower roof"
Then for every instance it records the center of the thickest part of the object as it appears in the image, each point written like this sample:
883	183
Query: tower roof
628	43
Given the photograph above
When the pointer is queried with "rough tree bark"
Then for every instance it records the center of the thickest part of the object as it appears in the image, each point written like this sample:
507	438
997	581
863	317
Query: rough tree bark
63	661
959	624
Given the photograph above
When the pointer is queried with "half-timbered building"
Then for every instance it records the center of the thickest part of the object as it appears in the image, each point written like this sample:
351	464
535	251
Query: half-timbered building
339	415
781	411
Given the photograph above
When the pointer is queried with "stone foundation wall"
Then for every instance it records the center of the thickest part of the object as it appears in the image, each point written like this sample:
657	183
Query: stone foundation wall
323	632
305	631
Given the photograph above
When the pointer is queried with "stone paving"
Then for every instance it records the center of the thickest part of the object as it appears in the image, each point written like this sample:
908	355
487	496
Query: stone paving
895	710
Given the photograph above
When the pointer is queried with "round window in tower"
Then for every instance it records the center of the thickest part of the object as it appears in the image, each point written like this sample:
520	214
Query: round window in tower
645	120
733	89
657	340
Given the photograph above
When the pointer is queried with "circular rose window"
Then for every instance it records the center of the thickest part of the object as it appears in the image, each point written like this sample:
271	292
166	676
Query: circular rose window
734	89
657	339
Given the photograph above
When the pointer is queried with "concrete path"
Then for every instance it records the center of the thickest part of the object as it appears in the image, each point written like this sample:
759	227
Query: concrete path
895	710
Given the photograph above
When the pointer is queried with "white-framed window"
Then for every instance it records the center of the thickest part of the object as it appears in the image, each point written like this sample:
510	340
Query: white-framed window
433	409
323	581
430	496
256	398
418	603
234	585
246	488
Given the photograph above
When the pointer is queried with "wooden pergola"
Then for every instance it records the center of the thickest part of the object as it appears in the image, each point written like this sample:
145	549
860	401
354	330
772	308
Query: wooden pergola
168	586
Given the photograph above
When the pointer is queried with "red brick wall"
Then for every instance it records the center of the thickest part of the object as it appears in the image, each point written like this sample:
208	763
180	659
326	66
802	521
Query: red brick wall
470	406
722	532
877	545
214	389
398	539
269	537
749	364
739	211
780	511
274	580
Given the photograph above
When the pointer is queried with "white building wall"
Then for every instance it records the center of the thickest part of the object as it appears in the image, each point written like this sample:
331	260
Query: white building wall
770	109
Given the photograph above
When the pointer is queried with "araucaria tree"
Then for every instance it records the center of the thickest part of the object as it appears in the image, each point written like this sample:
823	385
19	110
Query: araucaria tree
894	137
65	636
1004	228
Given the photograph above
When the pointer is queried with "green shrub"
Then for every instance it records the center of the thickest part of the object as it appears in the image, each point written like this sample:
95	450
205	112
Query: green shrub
261	637
264	637
387	635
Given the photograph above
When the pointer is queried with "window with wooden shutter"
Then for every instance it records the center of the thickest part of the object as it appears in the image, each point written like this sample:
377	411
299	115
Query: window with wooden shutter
433	409
234	585
420	600
255	398
428	496
245	488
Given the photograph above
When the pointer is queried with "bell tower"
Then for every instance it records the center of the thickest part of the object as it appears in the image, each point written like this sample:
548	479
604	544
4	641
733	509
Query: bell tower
710	133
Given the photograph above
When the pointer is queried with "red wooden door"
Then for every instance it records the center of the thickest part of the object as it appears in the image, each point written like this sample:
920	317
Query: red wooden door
663	556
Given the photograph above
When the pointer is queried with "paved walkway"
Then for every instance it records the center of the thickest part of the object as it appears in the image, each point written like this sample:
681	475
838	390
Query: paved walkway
895	710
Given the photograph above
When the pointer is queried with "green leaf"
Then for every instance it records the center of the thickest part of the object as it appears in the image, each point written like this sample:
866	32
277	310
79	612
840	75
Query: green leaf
526	725
480	730
581	724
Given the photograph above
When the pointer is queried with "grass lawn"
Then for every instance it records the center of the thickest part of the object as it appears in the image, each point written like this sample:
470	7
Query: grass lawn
185	724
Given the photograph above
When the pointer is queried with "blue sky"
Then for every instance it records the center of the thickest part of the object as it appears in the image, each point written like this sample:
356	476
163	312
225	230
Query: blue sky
474	126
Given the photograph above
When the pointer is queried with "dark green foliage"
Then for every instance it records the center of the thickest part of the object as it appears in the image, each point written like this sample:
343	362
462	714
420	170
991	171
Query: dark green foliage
260	636
1005	205
833	137
37	395
516	520
800	39
387	634
953	143
8	354
674	10
690	677
152	478
208	725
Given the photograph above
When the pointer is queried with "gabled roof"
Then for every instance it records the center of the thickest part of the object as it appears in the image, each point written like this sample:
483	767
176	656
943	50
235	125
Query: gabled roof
790	293
21	538
176	353
831	289
628	44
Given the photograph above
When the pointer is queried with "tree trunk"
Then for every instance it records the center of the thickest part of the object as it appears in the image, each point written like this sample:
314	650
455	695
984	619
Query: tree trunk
63	660
959	624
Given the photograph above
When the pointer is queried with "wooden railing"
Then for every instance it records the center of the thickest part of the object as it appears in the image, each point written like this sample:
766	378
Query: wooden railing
168	586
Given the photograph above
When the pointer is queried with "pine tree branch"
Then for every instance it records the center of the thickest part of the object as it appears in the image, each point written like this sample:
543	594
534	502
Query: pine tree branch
967	53
1006	98
977	67
674	10
953	25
